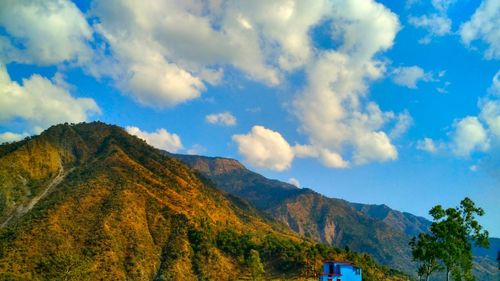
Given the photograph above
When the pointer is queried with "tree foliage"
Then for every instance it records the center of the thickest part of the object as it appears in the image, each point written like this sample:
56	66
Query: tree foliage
255	265
449	243
423	250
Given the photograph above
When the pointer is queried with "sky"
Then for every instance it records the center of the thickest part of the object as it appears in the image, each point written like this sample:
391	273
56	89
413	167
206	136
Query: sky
389	102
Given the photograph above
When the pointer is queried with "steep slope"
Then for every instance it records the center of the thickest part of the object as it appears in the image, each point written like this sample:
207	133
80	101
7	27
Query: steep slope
90	202
375	229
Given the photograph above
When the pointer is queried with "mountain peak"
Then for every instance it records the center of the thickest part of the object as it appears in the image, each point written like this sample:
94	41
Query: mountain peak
212	166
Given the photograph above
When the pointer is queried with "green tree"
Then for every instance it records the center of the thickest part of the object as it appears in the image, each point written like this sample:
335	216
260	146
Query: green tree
424	251
453	230
256	266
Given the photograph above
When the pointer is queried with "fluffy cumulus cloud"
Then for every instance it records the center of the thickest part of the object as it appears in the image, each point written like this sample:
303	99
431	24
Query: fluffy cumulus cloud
265	148
164	53
168	52
160	138
43	32
410	76
333	109
223	118
163	59
469	135
41	102
483	26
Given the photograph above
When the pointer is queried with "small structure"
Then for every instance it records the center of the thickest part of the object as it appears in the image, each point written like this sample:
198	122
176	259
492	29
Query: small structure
339	271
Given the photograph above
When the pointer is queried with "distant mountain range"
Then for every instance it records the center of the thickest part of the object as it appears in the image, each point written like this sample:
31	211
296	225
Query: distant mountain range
378	230
91	202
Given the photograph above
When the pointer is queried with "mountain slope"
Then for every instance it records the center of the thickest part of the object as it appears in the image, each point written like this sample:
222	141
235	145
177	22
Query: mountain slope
328	220
375	229
405	222
90	202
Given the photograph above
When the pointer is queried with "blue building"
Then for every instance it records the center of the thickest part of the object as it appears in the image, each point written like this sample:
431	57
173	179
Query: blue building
339	271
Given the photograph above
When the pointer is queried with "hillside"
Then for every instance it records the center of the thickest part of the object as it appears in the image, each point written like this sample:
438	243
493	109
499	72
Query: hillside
376	229
333	221
91	202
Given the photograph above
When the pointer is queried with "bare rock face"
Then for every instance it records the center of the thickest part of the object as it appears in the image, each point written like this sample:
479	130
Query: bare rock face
329	232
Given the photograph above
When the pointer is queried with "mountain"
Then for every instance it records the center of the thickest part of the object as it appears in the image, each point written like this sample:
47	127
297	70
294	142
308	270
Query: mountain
333	221
378	230
407	223
91	202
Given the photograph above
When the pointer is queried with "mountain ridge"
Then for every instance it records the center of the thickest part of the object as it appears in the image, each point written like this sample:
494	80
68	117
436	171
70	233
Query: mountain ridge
329	219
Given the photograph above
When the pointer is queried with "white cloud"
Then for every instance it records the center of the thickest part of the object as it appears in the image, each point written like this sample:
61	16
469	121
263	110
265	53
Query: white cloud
163	59
294	181
333	109
435	24
332	159
223	118
469	136
45	32
41	102
11	137
327	157
164	53
160	138
410	76
157	83
483	26
265	148
374	146
428	145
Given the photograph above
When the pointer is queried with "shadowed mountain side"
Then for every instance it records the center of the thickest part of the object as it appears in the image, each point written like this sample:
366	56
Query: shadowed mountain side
405	222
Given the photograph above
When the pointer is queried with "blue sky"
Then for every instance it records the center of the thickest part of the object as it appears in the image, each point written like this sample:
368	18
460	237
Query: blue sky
390	102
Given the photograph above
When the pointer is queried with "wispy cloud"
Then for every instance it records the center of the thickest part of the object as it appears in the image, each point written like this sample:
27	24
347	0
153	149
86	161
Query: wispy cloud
223	118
